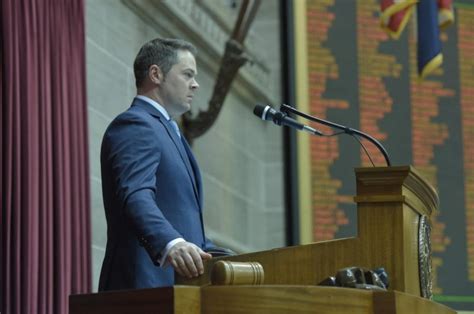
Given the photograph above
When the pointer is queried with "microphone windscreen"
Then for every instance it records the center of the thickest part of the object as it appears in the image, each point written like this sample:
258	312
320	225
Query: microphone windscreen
258	111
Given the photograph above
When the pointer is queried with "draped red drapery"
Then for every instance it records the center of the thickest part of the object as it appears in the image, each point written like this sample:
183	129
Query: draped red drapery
45	227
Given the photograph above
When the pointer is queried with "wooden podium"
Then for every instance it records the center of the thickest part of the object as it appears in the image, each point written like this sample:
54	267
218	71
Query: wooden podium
394	205
253	299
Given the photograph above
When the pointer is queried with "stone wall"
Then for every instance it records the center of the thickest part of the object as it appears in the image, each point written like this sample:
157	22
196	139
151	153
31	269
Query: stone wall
241	158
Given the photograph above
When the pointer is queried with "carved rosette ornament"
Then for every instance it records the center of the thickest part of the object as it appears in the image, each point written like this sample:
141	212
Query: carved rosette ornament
424	256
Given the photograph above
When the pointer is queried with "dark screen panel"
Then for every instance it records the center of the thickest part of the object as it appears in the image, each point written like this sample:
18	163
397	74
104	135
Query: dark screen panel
361	78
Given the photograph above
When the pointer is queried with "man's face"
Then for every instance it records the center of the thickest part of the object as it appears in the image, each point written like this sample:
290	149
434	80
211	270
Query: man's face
178	86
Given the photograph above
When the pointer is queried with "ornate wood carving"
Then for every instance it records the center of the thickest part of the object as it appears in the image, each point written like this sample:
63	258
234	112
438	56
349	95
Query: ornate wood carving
424	257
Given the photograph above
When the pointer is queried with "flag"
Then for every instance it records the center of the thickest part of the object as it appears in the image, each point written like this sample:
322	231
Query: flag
445	13
432	15
429	43
395	15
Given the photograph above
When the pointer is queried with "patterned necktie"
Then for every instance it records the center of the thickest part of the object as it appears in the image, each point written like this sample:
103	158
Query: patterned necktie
175	127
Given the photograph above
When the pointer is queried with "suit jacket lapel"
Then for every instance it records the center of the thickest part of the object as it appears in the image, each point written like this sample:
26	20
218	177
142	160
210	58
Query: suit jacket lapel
177	142
182	152
197	174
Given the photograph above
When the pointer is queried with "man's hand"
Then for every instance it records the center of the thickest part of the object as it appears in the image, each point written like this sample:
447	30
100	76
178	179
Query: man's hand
186	258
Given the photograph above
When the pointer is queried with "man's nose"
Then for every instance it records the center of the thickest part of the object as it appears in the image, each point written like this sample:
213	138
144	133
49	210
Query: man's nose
194	84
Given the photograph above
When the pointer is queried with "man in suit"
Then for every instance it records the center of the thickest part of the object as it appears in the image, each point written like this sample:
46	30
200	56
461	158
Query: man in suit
150	180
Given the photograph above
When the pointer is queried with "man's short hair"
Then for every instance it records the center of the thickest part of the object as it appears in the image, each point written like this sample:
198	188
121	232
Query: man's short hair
160	51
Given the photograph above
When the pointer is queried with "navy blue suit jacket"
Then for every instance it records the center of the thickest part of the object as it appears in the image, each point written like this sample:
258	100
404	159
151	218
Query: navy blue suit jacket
152	194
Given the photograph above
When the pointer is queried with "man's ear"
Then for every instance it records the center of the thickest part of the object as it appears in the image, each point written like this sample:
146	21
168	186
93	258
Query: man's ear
155	74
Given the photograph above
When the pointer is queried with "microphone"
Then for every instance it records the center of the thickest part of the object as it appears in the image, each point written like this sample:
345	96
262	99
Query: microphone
267	113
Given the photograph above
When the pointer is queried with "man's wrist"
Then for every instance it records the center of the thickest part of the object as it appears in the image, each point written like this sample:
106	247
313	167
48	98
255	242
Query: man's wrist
164	254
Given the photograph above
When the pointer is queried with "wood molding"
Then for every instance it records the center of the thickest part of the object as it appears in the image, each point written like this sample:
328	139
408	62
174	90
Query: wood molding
253	299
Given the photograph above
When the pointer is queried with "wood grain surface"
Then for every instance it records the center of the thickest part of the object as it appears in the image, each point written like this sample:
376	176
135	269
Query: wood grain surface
389	201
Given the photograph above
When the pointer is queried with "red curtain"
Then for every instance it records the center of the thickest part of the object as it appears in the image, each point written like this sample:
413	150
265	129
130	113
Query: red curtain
45	221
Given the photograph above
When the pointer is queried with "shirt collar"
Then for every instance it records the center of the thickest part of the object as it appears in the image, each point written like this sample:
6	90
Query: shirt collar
156	105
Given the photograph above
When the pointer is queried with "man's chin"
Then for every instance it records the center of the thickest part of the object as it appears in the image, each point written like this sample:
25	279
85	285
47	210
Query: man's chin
186	107
182	109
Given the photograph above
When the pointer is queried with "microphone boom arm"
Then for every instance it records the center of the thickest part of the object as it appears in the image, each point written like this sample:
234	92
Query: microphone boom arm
346	129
